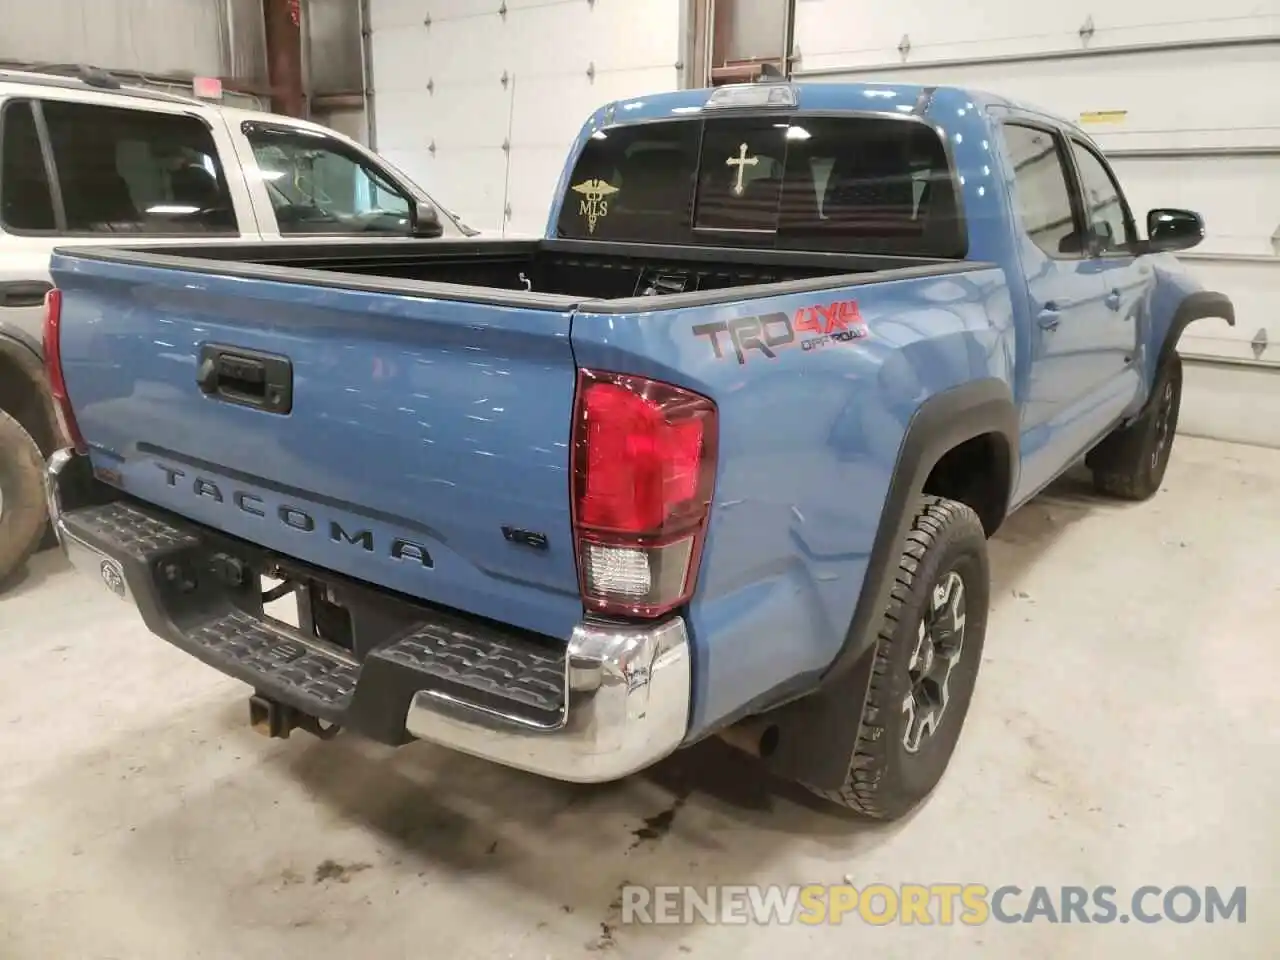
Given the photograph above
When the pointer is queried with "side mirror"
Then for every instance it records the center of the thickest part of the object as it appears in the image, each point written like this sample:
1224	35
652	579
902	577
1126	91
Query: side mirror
1171	229
425	222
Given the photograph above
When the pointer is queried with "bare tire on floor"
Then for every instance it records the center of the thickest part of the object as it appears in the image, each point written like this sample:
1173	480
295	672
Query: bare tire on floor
22	505
1130	462
927	655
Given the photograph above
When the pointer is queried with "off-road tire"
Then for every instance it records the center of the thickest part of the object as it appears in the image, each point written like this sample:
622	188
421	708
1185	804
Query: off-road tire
884	780
1131	461
22	510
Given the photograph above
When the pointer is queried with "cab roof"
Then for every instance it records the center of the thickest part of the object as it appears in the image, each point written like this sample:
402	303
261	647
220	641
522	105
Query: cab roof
825	96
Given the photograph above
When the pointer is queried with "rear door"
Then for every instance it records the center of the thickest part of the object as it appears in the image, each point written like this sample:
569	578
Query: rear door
101	170
1070	322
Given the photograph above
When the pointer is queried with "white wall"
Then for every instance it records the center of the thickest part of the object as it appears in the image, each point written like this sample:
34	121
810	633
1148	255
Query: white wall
545	50
1193	127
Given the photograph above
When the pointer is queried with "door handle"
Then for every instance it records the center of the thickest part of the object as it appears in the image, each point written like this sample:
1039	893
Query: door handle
23	293
1113	299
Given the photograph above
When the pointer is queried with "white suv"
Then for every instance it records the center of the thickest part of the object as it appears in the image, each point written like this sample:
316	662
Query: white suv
88	161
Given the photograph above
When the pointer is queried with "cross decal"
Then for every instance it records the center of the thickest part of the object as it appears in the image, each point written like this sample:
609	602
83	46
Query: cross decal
741	161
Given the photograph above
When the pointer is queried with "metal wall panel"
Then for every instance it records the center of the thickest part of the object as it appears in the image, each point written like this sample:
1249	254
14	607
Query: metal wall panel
333	42
443	113
202	37
247	41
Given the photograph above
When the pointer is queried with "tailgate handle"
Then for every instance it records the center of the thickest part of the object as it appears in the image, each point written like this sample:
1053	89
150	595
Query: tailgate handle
246	377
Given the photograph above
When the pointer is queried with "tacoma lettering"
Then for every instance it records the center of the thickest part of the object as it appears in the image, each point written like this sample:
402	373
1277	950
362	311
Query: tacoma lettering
295	518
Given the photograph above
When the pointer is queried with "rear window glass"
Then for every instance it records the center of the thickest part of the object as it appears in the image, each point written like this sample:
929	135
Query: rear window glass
854	184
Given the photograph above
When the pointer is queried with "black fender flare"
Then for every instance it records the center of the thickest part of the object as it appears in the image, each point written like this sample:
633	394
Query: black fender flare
1200	305
816	733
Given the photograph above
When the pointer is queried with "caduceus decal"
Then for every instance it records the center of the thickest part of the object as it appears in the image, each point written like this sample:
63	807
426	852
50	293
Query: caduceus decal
594	203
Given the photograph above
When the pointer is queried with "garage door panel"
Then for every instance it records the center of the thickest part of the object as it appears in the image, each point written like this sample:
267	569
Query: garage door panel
400	121
576	98
468	180
466	114
1162	108
393	12
1252	288
388	14
392	50
470	48
1168	118
613	35
1238	197
846	33
533	190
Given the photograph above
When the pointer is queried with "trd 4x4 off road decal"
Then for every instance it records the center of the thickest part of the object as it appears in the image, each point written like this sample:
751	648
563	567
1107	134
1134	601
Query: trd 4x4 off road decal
838	322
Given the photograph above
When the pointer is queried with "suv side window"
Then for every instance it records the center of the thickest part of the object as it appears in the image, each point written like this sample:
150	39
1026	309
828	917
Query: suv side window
1042	194
318	185
121	170
1105	209
26	202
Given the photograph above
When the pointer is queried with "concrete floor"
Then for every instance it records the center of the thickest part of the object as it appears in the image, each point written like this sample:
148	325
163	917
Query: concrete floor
1124	732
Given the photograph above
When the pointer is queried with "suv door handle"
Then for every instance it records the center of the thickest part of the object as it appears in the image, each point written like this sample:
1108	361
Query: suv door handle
23	293
1113	299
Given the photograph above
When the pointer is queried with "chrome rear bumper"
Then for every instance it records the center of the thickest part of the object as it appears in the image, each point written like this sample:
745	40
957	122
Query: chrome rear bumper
627	706
614	701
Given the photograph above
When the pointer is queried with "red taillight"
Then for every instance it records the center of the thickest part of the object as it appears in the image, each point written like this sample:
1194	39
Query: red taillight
53	370
644	469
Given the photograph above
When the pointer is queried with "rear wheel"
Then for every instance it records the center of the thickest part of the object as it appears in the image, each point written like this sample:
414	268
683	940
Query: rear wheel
22	506
1130	462
926	664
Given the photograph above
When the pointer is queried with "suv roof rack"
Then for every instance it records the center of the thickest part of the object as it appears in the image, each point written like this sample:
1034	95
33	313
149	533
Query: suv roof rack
92	76
76	75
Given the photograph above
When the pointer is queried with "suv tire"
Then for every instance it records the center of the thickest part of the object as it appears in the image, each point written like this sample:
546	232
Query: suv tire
22	505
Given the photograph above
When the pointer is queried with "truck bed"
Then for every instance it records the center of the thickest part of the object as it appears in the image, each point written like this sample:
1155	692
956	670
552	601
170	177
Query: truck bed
556	272
402	413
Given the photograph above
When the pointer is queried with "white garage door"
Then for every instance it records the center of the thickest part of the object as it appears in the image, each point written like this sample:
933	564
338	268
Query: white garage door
479	100
1183	96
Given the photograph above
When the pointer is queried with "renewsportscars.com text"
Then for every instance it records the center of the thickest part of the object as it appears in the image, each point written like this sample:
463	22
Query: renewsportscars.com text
941	904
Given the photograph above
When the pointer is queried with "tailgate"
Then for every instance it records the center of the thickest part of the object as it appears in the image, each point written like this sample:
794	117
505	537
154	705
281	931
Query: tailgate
418	443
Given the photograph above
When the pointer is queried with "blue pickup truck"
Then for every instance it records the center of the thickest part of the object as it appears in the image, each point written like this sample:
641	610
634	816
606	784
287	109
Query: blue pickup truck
719	455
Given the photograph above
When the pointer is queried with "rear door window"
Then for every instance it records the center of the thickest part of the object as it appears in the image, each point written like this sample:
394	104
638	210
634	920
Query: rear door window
855	184
1041	193
137	171
26	202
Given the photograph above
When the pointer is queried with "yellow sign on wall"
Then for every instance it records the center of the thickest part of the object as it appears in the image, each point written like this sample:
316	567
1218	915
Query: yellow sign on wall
1092	117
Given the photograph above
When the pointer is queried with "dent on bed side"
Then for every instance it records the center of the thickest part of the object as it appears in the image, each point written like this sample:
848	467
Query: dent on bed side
811	738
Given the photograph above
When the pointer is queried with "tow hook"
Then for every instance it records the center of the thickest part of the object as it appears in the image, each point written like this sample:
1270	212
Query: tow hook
277	720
